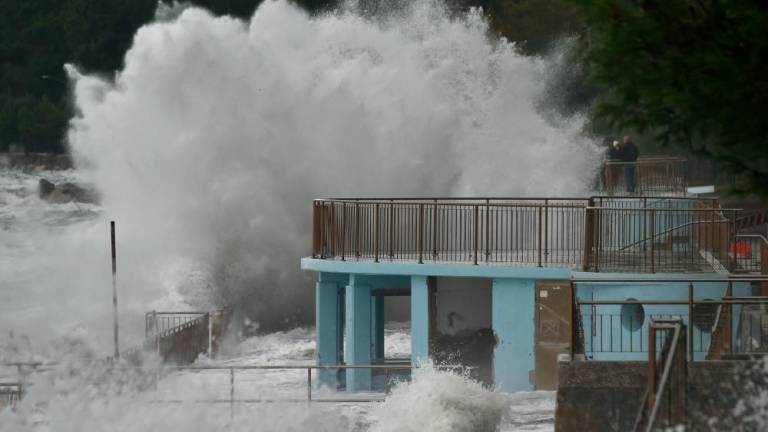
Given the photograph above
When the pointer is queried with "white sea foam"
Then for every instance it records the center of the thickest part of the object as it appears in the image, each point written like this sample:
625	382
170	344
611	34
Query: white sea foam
211	142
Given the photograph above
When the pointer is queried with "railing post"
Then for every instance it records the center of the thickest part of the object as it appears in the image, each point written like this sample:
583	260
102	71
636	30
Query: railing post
231	393
434	232
538	245
690	322
309	384
734	239
589	227
357	230
343	230
487	230
210	335
421	233
391	229
376	232
651	368
653	236
546	230
476	226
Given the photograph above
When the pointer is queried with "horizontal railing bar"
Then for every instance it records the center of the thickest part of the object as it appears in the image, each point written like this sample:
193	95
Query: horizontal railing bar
294	400
670	302
668	280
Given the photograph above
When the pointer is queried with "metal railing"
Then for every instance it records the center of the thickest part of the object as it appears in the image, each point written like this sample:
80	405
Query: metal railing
750	252
652	175
10	394
538	232
659	239
180	337
230	373
570	233
711	324
665	406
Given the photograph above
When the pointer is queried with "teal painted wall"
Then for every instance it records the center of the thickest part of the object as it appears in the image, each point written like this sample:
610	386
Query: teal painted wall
513	314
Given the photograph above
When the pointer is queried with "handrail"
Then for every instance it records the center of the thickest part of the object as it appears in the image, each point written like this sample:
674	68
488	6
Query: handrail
671	354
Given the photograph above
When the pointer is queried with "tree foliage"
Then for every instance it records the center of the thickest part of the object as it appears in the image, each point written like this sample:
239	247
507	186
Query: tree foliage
692	73
37	37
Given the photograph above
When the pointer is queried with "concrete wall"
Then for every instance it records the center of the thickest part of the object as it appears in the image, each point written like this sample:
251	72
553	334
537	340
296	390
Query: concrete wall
463	304
606	396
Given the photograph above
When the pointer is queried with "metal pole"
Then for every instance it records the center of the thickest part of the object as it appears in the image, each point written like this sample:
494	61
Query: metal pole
114	291
309	384
231	393
210	335
690	322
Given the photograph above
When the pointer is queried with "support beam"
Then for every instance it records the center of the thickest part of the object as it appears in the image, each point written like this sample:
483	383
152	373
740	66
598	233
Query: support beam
359	343
419	320
329	322
377	328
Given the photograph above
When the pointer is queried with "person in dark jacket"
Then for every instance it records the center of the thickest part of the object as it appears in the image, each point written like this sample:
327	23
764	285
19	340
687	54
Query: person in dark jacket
628	153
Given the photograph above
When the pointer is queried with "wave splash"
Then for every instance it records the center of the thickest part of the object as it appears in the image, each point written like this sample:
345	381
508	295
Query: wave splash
211	142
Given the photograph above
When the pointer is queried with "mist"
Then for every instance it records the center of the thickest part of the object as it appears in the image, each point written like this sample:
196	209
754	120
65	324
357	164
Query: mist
211	142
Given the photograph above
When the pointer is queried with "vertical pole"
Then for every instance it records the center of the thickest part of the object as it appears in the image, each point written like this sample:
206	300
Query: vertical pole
487	231
476	223
114	291
343	230
690	321
210	335
231	393
309	384
421	234
357	230
376	232
434	232
539	236
651	368
653	239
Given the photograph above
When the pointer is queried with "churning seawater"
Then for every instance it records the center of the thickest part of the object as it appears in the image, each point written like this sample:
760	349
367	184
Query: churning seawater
208	147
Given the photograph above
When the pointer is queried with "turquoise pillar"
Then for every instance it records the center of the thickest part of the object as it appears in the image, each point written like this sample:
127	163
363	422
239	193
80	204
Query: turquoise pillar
329	324
419	320
359	341
377	328
513	325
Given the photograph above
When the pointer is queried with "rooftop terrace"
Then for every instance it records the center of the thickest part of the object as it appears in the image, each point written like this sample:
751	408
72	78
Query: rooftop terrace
616	232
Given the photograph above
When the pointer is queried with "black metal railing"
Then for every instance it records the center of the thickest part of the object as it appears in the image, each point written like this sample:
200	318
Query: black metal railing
750	253
10	394
658	234
665	406
180	337
646	176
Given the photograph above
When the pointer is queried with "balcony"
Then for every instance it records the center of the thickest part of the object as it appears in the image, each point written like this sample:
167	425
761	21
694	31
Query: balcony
599	234
656	175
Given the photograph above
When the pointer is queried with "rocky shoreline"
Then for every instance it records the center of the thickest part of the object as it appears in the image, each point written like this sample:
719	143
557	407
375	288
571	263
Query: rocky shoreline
35	161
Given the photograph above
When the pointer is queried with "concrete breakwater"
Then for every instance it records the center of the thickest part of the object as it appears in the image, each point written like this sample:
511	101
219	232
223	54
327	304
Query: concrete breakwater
35	161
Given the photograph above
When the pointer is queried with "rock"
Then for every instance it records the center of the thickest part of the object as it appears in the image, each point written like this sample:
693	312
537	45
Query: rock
65	192
44	188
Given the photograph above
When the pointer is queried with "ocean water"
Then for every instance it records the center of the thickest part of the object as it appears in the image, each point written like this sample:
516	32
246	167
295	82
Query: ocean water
208	147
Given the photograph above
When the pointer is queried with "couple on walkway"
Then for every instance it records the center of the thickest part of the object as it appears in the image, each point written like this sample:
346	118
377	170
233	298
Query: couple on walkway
626	152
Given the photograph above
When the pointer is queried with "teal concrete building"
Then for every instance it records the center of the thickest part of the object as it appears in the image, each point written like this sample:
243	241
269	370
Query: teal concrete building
505	286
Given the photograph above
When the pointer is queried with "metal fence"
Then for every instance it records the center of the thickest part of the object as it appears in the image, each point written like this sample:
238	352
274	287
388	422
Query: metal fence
10	394
653	175
179	337
665	404
540	232
750	252
659	239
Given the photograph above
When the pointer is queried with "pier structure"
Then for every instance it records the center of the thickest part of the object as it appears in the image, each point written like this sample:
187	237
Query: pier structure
506	286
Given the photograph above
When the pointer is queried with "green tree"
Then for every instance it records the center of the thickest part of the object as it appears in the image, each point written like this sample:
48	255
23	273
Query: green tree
691	73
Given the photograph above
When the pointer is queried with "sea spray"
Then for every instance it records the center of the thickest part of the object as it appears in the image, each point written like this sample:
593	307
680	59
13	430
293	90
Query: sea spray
211	142
441	401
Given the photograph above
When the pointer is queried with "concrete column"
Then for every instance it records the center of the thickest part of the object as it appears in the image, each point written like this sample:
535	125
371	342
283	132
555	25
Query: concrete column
513	325
377	328
329	325
419	319
359	343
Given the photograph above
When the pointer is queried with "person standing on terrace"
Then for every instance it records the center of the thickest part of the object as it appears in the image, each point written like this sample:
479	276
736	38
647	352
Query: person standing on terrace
628	154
